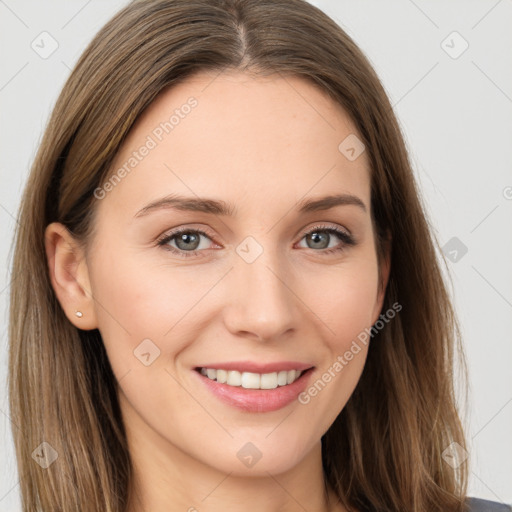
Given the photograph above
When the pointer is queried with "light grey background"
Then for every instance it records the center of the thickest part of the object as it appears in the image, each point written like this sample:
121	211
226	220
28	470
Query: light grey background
456	115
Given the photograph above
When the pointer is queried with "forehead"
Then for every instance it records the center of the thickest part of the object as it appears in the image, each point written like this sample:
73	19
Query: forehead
243	138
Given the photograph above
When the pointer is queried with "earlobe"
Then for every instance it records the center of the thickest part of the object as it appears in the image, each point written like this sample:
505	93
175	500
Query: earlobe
69	276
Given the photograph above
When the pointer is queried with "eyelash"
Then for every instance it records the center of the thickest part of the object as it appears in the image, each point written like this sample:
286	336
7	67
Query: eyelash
347	240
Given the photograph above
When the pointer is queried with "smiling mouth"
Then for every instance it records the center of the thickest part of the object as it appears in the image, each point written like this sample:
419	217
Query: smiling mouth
250	380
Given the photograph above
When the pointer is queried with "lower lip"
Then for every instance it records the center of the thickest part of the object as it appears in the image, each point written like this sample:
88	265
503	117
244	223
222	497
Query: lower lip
257	400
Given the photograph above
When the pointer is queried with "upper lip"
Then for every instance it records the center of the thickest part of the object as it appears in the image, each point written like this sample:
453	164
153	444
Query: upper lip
252	367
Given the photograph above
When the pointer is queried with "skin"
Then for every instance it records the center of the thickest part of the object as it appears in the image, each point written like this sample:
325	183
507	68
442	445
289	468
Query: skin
262	144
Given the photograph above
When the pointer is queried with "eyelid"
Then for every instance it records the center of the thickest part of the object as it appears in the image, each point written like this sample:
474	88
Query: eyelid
326	226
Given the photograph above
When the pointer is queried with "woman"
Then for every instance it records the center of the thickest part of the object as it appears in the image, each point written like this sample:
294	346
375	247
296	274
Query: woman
298	355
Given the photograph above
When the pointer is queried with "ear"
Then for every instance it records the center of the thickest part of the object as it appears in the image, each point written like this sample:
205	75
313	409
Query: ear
69	276
384	270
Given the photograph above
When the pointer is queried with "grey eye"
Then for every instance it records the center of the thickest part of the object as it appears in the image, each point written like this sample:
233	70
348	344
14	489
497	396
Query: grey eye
319	239
187	240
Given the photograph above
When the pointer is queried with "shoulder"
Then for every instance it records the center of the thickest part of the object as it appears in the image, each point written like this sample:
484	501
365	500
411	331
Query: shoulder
480	505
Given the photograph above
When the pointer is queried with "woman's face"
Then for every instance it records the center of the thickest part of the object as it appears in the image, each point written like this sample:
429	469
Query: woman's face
258	283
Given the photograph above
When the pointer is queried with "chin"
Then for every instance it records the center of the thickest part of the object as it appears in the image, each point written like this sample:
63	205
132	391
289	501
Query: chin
259	455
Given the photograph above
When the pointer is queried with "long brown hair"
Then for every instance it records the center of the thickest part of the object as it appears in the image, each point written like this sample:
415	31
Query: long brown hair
384	450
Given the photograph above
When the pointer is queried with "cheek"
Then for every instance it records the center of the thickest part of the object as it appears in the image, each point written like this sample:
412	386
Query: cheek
345	298
344	301
136	301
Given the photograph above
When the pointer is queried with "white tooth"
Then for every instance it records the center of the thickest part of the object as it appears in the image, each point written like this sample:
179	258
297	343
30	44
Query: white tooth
234	378
222	376
250	380
269	381
282	378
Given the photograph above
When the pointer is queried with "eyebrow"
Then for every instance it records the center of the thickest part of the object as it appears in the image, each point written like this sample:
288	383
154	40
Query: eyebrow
219	207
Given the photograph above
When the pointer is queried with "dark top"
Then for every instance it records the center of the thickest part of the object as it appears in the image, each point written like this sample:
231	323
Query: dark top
479	505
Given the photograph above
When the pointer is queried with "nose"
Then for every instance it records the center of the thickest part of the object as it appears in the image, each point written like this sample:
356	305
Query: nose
262	304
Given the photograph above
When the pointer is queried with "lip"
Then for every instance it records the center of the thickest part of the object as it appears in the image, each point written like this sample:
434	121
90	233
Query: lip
257	400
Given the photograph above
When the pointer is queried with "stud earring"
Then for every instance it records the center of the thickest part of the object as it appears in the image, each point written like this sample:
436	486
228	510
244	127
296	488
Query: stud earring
79	314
